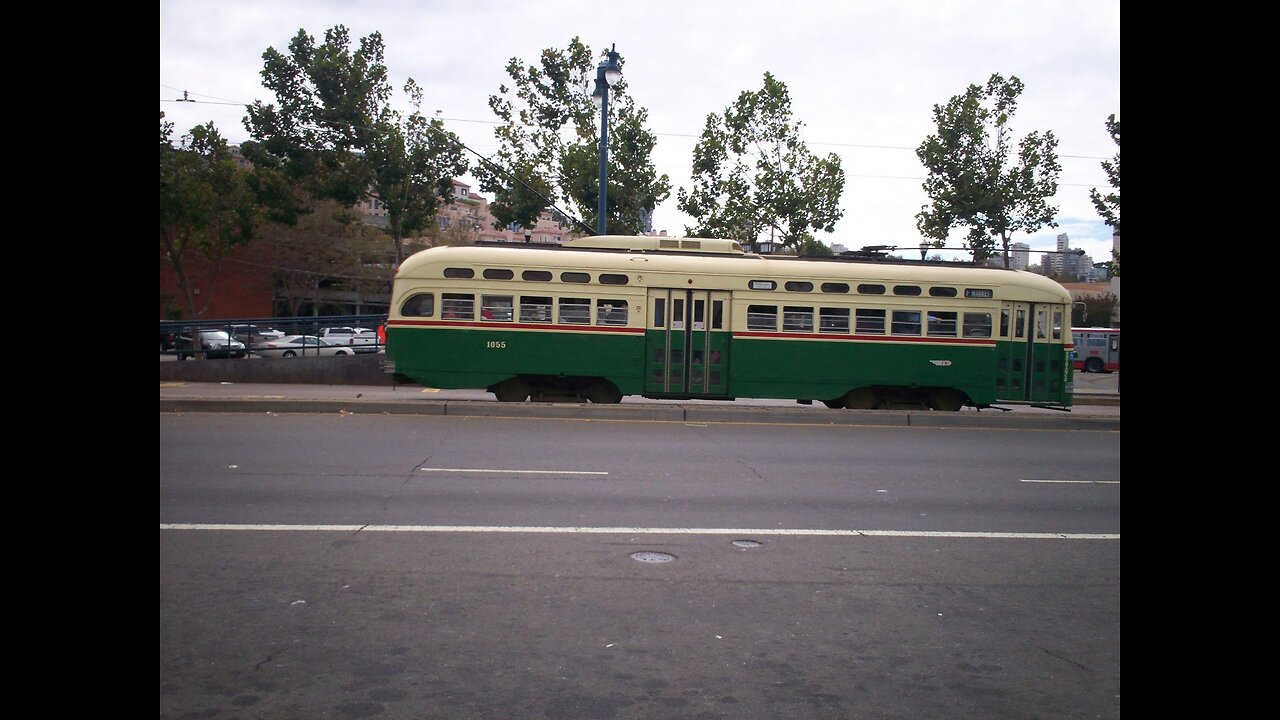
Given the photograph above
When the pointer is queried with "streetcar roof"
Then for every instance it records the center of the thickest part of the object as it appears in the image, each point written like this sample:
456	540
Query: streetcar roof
715	258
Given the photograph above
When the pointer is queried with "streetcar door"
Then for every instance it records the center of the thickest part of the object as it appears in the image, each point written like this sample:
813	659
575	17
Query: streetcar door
687	342
1028	363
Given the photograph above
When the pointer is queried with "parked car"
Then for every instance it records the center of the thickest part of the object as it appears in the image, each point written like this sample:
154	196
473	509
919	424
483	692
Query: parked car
361	339
300	346
254	335
213	344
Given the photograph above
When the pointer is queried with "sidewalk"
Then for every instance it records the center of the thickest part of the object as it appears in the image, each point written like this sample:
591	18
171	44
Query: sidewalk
179	396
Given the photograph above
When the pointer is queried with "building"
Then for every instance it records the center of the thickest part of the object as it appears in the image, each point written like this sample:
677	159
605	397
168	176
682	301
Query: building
1019	254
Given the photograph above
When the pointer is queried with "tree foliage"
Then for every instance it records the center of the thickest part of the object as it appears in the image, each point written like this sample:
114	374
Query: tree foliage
205	207
549	139
328	247
332	134
974	179
1095	310
1108	206
754	177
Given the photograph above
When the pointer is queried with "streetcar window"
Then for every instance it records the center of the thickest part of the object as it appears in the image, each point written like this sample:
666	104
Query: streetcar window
762	317
868	289
1040	321
536	276
942	291
535	309
906	290
870	322
798	286
611	312
1004	322
420	305
906	322
1057	324
977	325
1020	323
942	324
498	274
699	310
835	287
456	306
717	314
575	311
496	307
659	312
833	320
463	273
610	279
574	277
797	319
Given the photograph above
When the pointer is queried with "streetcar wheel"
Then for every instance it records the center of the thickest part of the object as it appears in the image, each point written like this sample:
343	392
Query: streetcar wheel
947	400
860	399
836	404
1093	365
289	353
511	390
604	392
182	356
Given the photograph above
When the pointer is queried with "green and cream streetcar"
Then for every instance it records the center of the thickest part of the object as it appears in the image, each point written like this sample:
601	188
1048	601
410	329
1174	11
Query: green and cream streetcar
603	317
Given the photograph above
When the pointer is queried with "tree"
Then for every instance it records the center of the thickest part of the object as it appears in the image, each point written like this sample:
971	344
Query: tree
1108	205
549	140
205	207
752	174
1096	310
972	180
335	136
328	247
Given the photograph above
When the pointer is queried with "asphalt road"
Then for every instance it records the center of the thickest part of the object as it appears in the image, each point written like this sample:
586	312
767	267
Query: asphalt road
395	566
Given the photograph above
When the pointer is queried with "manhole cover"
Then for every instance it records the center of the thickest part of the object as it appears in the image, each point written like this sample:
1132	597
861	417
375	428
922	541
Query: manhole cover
746	543
649	556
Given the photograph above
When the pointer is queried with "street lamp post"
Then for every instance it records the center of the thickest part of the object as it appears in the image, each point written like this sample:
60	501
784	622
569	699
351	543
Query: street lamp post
608	73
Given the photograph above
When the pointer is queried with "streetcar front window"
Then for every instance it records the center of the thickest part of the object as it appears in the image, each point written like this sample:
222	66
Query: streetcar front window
419	305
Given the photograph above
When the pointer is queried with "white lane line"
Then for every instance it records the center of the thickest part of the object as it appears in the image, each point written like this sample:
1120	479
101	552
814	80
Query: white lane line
811	532
1074	482
527	472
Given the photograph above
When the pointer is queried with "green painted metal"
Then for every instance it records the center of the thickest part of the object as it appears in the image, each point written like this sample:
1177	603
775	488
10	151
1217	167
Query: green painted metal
478	357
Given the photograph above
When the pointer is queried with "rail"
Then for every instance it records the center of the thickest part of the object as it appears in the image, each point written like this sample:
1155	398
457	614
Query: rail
176	335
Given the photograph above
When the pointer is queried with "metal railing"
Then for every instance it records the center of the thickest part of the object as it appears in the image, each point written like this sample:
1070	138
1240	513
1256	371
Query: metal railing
172	331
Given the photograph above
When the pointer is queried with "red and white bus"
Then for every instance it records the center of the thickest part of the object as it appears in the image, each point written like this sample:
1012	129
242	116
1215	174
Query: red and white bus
1096	349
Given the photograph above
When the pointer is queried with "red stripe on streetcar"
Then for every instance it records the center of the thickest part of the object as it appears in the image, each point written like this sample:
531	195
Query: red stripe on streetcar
881	338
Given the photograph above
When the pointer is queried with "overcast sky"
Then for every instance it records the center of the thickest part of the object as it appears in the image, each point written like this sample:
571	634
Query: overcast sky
863	76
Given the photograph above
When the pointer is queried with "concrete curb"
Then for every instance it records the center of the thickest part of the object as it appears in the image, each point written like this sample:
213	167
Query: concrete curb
990	419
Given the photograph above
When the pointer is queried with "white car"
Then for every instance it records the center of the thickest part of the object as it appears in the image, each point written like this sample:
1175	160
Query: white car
300	346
